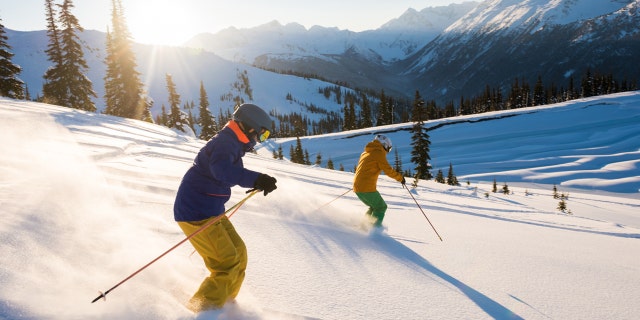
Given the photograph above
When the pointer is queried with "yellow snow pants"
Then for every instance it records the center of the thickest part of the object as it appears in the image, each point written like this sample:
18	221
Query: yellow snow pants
225	255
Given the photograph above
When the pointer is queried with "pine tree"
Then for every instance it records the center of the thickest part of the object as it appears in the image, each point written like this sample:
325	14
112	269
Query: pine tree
72	87
191	120
164	117
562	205
318	159
349	115
505	188
124	94
292	154
330	164
452	180
10	85
397	164
494	188
420	142
367	122
439	177
53	90
175	114
384	110
207	122
418	111
307	159
538	93
298	153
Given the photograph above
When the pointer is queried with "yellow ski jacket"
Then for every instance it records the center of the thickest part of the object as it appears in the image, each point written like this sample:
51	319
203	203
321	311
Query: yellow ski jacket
372	161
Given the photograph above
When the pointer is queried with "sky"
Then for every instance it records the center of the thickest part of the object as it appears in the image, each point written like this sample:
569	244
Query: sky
87	200
175	21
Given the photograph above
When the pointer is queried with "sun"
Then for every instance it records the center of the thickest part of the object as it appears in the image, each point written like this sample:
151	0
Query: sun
160	22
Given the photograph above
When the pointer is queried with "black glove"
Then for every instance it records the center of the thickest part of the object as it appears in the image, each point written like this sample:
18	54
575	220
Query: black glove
403	181
265	183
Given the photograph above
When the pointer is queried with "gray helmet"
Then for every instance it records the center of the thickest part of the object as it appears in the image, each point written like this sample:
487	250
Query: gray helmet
253	117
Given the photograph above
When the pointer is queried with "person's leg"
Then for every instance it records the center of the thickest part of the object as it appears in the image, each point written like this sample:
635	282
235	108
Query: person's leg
221	257
238	273
377	206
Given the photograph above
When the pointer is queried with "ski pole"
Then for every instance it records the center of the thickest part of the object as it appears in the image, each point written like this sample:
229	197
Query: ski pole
208	224
336	198
414	199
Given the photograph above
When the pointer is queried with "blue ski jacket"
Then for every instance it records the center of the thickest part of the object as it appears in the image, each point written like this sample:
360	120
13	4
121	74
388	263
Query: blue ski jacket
206	186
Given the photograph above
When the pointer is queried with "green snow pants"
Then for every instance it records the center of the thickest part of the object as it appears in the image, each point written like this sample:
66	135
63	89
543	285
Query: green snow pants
225	255
377	206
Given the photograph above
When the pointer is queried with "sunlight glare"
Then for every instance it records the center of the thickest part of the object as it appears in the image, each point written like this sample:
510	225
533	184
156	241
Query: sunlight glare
161	22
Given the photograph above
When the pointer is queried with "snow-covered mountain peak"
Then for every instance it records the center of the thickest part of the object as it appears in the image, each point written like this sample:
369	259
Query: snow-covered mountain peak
392	41
498	15
430	18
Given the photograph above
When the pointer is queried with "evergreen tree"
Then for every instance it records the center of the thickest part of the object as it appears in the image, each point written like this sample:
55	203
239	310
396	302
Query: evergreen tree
505	188
53	90
10	85
207	122
292	154
318	159
452	180
124	95
349	115
439	177
367	122
418	110
562	205
191	120
298	154
330	164
420	142
71	87
449	109
384	110
494	188
539	97
307	160
280	155
175	114
397	164
164	117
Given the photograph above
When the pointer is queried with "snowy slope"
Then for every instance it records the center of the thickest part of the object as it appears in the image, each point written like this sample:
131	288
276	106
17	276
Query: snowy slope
87	199
586	143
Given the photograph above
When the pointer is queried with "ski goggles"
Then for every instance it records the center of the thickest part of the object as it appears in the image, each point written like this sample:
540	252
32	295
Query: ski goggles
264	135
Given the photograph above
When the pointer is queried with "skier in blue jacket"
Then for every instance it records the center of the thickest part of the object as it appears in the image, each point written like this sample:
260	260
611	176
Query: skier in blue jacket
203	192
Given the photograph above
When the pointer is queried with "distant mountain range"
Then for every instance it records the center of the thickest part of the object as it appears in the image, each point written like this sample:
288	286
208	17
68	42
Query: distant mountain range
444	52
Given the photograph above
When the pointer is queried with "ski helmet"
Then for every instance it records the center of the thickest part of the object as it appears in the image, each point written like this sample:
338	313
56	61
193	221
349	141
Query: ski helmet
385	141
253	117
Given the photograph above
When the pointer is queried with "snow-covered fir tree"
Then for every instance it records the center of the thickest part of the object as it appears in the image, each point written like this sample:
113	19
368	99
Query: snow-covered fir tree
124	95
208	125
10	85
65	82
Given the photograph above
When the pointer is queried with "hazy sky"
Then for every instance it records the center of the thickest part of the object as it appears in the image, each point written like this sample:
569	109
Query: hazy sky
175	21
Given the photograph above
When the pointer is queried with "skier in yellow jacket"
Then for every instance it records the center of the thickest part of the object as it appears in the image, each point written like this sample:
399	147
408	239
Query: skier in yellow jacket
373	161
